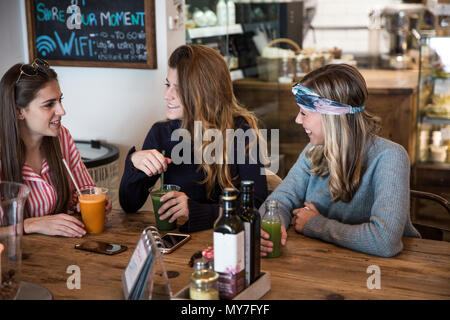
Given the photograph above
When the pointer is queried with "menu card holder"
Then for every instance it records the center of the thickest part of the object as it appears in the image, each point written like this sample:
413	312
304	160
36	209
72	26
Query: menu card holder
145	276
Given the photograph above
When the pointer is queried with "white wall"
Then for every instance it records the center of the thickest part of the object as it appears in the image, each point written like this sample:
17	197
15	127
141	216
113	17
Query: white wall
117	106
12	29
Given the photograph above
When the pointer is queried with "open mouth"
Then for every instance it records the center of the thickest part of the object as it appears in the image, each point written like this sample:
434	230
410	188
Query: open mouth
170	106
55	123
308	132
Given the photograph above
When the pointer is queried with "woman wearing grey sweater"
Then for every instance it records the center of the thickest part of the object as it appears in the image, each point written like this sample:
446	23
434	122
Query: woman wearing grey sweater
349	186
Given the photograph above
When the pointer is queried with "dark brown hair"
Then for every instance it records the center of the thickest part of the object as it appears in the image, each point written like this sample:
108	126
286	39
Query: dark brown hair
206	91
14	96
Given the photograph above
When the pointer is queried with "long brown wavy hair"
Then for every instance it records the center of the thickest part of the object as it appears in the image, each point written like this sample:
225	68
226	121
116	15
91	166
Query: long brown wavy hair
14	96
346	136
206	91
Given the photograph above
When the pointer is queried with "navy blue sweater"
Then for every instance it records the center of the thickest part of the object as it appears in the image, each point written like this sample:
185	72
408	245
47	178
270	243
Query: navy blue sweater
135	184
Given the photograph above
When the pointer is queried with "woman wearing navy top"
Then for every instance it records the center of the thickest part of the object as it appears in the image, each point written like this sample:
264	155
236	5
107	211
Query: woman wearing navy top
199	95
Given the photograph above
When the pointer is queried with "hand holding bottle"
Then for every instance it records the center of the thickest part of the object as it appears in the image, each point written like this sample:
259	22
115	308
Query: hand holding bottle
273	230
267	245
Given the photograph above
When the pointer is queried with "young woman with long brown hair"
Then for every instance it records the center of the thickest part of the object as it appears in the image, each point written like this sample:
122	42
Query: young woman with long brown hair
349	186
33	144
198	91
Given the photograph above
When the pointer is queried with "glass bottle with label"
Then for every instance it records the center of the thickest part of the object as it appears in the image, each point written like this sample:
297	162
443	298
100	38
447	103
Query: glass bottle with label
252	225
271	223
229	246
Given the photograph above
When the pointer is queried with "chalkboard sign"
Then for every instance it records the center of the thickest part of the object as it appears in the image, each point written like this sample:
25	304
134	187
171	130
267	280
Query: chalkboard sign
93	33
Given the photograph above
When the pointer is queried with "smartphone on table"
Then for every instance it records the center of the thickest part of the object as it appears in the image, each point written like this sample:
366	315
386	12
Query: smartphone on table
101	247
171	241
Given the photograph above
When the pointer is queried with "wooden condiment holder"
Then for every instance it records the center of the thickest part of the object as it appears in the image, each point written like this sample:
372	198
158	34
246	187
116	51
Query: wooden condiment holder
253	292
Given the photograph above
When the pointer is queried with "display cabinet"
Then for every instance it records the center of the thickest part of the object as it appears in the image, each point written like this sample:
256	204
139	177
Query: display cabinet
431	170
241	29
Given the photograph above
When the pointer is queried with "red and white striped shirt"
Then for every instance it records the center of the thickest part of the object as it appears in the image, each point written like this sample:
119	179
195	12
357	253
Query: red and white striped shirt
42	198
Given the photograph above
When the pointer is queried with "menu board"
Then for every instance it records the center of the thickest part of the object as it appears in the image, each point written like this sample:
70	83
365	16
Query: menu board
93	33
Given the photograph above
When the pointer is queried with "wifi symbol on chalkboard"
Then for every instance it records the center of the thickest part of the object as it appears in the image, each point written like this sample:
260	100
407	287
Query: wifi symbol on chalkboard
45	45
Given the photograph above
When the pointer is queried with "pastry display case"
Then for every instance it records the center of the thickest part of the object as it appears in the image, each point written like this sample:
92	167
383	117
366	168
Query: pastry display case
431	170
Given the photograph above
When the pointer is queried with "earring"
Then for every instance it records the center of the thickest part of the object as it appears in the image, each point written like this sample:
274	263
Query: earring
19	114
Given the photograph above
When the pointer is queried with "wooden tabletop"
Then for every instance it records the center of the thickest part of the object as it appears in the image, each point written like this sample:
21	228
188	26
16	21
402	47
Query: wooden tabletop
307	269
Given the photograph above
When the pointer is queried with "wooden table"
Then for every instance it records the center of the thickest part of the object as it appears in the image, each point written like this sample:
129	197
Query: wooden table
308	268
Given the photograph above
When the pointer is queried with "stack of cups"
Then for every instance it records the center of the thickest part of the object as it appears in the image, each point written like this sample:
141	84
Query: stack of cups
423	145
438	151
446	140
437	138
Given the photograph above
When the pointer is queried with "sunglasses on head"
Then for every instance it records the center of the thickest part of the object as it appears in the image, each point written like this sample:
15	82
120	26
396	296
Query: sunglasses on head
31	69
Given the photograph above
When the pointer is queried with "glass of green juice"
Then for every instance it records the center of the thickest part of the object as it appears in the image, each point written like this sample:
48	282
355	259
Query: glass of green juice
271	223
163	225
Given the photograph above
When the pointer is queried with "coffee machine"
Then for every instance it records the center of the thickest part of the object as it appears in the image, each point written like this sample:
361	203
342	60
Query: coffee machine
401	25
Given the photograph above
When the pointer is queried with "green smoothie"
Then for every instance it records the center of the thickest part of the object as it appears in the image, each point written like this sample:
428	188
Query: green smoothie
163	225
273	228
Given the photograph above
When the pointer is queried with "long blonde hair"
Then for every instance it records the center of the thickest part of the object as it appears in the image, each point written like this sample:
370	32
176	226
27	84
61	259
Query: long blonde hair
346	136
206	91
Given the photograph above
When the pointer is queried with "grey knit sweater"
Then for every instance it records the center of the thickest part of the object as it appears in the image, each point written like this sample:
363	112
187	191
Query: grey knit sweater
377	217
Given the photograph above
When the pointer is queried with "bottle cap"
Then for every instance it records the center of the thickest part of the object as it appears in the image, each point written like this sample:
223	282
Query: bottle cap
208	252
247	185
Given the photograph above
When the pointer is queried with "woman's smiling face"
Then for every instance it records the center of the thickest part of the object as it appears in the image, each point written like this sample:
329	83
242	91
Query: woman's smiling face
174	104
312	123
42	116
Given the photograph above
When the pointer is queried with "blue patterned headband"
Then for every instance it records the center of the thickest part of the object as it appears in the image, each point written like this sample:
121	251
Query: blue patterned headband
310	100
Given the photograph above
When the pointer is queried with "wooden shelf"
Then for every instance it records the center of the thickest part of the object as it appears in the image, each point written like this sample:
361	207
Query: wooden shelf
432	165
215	31
435	120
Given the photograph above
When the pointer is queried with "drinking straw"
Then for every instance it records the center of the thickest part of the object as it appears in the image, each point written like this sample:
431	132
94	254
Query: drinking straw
162	174
71	176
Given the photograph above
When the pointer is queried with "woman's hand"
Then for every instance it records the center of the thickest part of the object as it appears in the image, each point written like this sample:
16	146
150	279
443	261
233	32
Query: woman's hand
177	202
266	244
55	225
304	215
108	207
151	162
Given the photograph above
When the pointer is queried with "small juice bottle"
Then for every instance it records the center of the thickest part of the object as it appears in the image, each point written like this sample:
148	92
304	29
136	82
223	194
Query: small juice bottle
271	223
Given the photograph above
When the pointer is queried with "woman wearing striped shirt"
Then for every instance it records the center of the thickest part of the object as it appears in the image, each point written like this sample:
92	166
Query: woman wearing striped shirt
32	145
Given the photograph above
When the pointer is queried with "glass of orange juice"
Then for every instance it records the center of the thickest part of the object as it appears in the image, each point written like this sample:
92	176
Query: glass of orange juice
92	204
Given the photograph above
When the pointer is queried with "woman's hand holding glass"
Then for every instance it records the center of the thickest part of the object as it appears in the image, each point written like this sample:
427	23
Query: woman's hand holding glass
151	162
175	206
